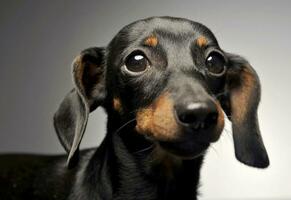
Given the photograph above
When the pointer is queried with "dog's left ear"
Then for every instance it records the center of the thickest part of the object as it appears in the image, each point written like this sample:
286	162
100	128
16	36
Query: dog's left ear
71	118
240	104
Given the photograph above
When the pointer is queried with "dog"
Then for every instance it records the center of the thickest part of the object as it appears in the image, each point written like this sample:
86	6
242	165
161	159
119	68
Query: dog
166	86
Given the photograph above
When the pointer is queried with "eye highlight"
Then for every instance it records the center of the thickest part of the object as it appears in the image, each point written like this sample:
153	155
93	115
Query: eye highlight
215	64
136	63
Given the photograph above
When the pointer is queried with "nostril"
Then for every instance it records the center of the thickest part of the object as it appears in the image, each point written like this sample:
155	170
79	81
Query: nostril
188	117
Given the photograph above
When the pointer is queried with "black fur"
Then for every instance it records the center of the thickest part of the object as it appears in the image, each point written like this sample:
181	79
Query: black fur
124	166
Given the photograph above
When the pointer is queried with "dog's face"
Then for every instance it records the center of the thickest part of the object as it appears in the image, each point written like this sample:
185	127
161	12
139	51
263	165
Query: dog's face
170	77
167	74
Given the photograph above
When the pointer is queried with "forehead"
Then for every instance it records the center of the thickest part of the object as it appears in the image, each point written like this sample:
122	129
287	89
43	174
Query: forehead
164	28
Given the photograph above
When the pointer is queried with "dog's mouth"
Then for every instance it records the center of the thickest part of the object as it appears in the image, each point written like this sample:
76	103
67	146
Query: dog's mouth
159	124
185	149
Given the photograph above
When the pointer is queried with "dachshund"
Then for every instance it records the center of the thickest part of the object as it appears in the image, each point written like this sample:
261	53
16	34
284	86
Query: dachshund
166	86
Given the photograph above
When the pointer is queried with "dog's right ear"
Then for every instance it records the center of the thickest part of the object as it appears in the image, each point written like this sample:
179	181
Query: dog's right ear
71	118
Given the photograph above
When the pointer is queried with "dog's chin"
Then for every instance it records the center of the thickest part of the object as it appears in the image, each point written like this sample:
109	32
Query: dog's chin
185	150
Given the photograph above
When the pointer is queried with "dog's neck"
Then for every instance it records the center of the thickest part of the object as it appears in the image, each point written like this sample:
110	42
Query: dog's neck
145	171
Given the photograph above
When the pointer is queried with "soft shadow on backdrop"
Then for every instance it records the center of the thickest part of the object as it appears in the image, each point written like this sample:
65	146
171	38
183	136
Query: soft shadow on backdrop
39	40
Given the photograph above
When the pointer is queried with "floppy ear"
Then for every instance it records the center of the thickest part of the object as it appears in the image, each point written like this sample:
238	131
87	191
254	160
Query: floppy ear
240	104
72	115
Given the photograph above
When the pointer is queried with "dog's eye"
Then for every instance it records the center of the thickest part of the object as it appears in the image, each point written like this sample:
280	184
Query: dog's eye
136	63
215	63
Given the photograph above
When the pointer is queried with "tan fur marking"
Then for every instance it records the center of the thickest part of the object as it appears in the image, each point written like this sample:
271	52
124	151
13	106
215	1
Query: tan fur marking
117	104
79	71
151	41
144	120
220	123
201	41
241	96
158	120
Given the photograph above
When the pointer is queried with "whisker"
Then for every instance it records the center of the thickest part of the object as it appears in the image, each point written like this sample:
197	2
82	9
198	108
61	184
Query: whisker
124	125
228	133
145	149
133	111
220	94
212	147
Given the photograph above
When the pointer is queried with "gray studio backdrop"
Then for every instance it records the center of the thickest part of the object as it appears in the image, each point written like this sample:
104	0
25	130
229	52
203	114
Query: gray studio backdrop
39	39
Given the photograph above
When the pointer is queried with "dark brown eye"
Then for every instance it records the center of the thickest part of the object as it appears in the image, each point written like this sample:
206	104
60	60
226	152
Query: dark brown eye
136	63
215	64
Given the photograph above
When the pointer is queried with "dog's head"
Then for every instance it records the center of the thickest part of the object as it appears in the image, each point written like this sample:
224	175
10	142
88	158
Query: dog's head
171	77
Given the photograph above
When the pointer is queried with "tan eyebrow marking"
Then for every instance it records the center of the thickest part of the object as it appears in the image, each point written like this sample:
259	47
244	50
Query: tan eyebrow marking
117	104
201	41
151	41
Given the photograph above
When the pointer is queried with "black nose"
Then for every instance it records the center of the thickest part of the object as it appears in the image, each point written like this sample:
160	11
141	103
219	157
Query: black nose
198	115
